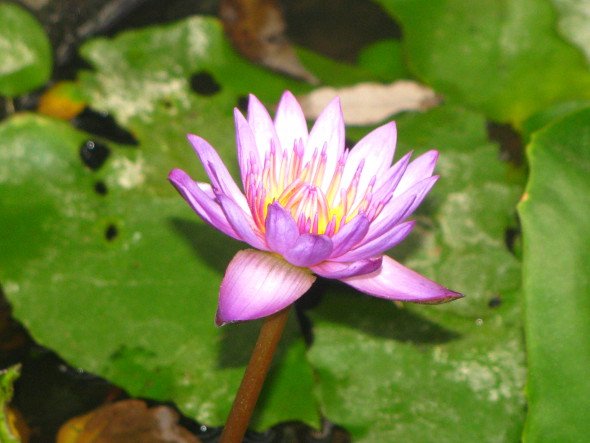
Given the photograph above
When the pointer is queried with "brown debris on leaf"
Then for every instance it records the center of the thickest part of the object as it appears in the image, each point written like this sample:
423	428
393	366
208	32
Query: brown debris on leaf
59	102
127	421
17	425
371	103
257	30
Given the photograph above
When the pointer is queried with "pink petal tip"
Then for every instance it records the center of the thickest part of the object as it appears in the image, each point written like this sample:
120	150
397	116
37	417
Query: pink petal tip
396	282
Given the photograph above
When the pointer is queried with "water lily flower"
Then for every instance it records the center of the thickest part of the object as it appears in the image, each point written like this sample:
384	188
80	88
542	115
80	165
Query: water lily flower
310	207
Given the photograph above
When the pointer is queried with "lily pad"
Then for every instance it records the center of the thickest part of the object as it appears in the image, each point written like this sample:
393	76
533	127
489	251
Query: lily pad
385	59
333	73
502	57
549	115
106	264
25	51
555	214
123	284
165	81
448	373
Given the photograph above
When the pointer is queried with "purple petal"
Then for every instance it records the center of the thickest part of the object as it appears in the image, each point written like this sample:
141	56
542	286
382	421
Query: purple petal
335	270
257	284
246	144
416	171
386	183
241	222
262	127
200	197
290	122
400	207
329	130
216	170
282	236
391	215
420	191
350	235
281	229
308	250
378	245
396	282
376	149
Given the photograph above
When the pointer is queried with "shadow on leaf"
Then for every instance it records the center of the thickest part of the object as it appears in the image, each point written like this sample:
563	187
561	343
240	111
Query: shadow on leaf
209	245
216	250
238	339
378	317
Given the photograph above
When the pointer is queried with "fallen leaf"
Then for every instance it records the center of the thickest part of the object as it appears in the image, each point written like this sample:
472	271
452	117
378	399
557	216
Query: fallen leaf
17	426
257	30
127	421
371	103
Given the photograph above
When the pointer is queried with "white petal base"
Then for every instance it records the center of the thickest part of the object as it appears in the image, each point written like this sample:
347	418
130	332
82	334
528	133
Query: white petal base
258	284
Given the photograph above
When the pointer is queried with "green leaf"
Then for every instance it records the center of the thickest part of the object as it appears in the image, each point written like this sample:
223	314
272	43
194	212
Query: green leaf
447	373
384	58
549	115
331	72
7	378
555	214
25	51
148	80
143	78
390	374
501	57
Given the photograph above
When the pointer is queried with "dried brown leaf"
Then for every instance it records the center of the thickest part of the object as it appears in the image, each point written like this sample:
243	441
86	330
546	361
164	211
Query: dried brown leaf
127	421
257	30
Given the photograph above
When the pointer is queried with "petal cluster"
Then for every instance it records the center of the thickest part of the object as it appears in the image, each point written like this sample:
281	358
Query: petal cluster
310	206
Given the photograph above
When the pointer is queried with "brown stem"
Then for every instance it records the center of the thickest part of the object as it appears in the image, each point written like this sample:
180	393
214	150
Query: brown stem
247	395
